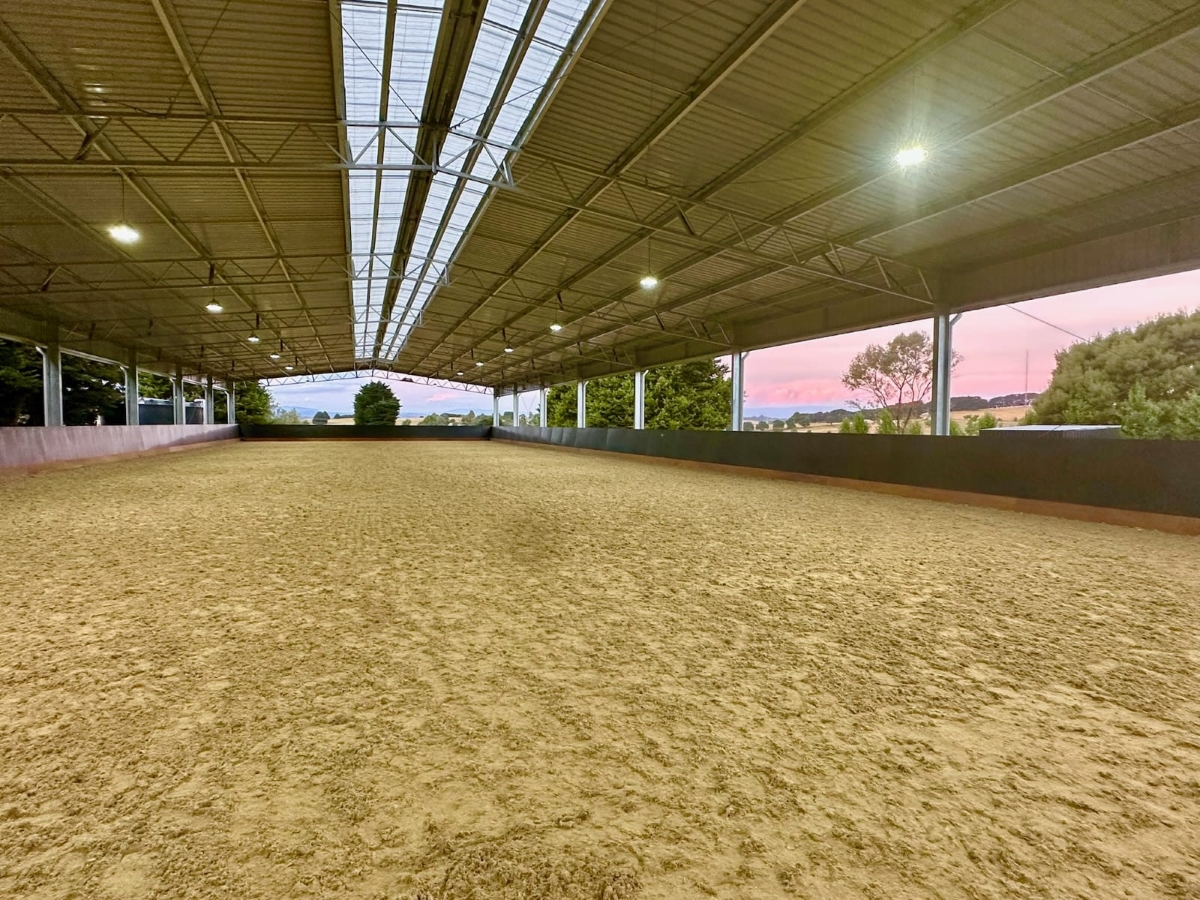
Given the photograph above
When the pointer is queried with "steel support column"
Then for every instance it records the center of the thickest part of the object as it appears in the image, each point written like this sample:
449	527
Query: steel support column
639	399
581	405
943	364
516	408
52	397
210	414
178	413
132	416
738	373
495	406
543	413
230	403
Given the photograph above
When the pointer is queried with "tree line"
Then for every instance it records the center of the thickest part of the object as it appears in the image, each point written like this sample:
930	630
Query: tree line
1145	379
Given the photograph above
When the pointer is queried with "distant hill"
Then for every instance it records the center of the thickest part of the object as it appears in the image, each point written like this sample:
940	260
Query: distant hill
829	413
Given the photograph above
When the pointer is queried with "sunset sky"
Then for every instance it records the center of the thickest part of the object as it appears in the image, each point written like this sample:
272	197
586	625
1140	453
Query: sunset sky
993	344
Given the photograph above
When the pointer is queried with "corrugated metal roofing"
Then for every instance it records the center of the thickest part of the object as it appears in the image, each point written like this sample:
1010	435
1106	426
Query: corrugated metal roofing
158	159
742	152
1030	109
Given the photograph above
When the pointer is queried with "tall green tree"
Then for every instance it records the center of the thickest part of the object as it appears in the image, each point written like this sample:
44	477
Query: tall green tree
20	384
375	404
897	376
154	387
1142	417
253	404
1147	374
693	396
856	424
92	391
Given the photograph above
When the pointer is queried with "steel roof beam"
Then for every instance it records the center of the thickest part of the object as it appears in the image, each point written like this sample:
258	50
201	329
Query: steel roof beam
1058	84
736	53
457	33
739	250
1184	184
45	81
970	19
386	374
169	19
1121	54
666	308
82	228
343	142
284	123
1059	162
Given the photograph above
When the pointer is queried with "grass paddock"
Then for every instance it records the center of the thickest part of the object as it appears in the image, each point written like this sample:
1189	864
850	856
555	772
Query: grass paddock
480	670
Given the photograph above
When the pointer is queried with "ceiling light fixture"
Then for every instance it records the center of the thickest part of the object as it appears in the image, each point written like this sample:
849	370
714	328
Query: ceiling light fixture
254	338
556	325
123	233
648	282
459	374
478	363
276	354
213	305
911	156
507	346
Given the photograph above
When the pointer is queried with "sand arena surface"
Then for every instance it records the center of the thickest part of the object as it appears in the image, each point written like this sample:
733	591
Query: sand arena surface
450	671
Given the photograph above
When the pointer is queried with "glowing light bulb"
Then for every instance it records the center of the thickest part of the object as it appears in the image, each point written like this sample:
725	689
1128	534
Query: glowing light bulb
123	233
214	307
648	282
911	156
254	338
556	327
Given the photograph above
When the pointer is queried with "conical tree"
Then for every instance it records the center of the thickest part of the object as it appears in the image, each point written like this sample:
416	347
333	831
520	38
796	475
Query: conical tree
375	404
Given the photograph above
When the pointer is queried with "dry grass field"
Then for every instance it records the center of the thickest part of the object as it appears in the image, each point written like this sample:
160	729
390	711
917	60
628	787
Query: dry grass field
387	671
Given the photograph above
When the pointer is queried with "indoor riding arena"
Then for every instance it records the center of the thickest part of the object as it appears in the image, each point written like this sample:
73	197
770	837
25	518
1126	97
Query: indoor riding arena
511	661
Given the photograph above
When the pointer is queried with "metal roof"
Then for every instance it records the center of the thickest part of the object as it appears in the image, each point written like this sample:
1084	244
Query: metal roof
427	185
212	128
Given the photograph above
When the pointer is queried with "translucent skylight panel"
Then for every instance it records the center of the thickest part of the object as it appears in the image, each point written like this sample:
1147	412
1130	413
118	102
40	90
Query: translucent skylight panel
506	13
452	202
492	49
373	232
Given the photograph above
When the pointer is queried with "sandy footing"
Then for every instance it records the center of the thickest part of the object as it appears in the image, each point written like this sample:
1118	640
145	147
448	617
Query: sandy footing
446	671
